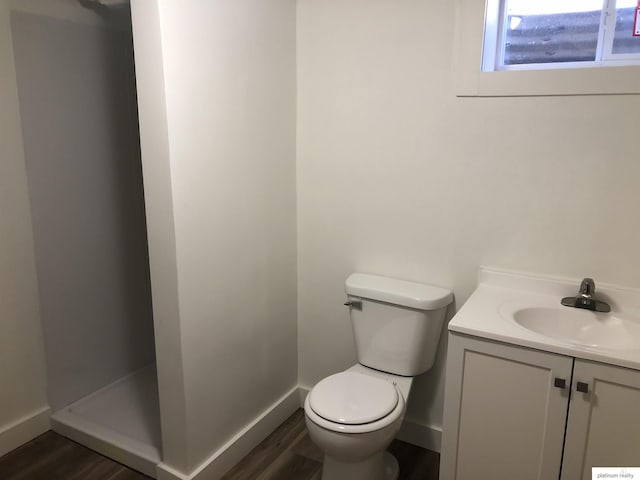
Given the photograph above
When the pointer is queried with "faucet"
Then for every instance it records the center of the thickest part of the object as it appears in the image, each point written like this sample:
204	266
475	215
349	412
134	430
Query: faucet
587	288
585	299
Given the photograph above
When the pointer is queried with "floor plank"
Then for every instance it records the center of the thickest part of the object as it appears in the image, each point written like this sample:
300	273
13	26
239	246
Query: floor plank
268	452
53	457
287	454
415	463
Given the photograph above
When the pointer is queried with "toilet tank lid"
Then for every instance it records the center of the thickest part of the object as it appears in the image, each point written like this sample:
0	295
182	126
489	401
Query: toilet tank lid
398	292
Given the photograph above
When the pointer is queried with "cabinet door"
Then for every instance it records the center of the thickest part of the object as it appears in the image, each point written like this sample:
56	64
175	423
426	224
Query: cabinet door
504	418
603	428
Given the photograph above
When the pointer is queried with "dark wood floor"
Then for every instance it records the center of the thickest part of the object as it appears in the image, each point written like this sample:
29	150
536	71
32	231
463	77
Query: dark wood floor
53	457
287	454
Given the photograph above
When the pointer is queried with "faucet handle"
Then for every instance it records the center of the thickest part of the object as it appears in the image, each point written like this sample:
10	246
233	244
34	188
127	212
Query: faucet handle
587	287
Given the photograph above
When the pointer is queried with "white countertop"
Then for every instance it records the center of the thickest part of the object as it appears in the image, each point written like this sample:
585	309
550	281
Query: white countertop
485	314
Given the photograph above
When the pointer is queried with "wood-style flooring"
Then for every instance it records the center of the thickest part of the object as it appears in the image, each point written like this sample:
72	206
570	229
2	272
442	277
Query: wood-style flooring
287	454
53	457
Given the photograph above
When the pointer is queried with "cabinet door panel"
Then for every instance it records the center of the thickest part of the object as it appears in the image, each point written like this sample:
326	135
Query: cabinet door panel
603	428
510	417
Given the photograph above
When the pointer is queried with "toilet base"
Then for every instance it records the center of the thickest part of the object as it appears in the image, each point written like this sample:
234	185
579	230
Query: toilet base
382	466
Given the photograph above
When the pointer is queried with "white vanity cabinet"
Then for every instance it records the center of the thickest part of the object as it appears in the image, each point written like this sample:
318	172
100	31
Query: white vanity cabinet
503	419
511	412
603	426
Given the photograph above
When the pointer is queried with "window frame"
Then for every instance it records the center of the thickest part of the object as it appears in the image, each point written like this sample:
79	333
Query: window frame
471	81
609	26
495	33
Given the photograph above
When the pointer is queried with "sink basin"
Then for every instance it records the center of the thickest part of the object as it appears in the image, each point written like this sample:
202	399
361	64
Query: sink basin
577	326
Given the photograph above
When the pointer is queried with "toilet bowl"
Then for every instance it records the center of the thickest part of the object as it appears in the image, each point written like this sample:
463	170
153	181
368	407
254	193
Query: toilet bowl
354	415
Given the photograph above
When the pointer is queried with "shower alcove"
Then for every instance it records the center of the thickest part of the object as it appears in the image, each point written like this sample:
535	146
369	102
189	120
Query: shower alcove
77	96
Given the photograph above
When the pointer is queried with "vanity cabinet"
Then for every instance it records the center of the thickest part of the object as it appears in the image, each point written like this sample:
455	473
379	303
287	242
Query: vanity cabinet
511	412
504	419
603	425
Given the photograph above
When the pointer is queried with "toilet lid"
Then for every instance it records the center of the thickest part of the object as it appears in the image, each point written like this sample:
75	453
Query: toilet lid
352	398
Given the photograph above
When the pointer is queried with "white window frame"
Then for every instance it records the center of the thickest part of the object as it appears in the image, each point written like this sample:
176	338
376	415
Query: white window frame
560	79
495	33
606	54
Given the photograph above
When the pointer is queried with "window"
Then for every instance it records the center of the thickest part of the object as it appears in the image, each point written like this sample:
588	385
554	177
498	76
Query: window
548	34
475	19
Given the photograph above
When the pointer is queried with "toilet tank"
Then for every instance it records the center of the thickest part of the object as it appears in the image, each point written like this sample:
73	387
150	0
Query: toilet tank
396	324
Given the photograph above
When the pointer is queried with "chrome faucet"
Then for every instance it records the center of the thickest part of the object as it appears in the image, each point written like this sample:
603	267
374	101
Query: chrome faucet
585	299
587	288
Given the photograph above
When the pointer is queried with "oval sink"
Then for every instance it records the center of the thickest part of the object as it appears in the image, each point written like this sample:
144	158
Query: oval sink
578	326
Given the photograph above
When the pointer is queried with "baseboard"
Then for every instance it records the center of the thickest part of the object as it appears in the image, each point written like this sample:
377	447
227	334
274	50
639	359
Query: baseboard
303	391
241	444
425	436
24	429
412	431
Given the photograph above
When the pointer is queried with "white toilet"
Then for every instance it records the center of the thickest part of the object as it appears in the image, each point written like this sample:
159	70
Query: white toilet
354	415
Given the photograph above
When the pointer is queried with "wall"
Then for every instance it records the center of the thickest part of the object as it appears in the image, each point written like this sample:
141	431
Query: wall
227	82
154	141
23	402
77	102
398	177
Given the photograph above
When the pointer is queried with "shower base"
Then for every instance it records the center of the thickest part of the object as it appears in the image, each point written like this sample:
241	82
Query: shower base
120	421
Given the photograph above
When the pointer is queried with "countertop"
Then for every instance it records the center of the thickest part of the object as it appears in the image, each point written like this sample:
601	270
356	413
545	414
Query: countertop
486	313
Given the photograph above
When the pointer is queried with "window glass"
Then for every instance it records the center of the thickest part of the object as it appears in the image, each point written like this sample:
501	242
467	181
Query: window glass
623	40
551	31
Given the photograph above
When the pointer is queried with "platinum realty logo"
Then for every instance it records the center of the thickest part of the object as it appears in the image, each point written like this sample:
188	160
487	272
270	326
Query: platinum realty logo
623	473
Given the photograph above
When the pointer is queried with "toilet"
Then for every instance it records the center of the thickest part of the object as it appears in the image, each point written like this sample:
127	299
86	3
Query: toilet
353	416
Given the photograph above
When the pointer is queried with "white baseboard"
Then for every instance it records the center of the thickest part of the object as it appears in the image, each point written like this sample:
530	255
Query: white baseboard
24	429
425	436
165	472
412	431
304	391
241	444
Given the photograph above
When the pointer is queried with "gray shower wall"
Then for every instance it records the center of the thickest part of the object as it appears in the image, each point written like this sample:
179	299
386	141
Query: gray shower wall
76	90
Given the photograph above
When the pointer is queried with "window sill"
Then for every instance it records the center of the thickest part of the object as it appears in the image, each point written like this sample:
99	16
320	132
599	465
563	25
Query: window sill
471	82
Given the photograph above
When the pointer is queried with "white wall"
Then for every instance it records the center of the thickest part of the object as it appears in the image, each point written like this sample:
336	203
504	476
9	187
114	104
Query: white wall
22	366
228	85
77	103
398	177
154	141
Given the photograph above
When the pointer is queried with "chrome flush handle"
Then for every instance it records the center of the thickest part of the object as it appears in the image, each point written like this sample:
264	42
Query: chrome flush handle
357	304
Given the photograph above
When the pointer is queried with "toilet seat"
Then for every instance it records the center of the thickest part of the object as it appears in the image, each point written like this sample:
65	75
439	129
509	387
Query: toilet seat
352	398
383	418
